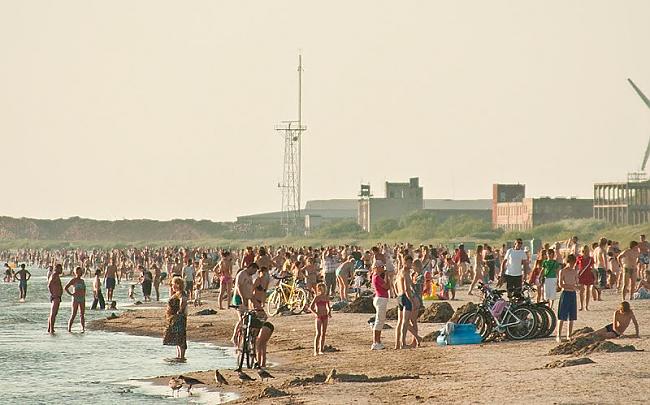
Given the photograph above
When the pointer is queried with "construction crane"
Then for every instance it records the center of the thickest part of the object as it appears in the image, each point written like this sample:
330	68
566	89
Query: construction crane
647	103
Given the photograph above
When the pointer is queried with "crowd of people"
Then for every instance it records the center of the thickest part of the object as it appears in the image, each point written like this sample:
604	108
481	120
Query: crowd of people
577	272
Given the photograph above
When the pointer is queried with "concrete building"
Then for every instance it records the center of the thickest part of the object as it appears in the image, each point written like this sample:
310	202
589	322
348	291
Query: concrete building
622	203
401	199
512	211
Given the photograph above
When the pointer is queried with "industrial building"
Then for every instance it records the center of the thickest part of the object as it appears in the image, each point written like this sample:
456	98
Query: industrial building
622	203
512	211
401	199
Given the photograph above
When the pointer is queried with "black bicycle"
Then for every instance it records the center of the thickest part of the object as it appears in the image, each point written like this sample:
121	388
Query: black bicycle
247	338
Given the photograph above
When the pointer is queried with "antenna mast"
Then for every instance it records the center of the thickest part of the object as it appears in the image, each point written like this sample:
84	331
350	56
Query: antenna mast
292	172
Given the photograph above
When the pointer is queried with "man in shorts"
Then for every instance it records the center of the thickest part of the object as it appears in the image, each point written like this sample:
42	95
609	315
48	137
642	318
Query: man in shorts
600	264
243	294
109	279
628	260
622	318
644	256
512	268
22	275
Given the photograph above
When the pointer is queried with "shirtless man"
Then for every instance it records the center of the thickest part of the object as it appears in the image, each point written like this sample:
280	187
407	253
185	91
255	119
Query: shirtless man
243	294
263	259
622	318
55	288
568	306
600	264
644	256
628	259
224	268
404	289
109	279
22	275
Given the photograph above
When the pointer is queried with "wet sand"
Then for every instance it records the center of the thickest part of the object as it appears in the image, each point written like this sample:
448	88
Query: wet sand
504	372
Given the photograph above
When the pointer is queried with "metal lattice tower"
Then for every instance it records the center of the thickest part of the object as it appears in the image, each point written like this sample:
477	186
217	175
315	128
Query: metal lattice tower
292	167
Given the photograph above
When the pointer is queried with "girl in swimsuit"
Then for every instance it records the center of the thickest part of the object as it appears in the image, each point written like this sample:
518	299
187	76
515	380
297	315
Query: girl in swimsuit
78	298
320	306
225	278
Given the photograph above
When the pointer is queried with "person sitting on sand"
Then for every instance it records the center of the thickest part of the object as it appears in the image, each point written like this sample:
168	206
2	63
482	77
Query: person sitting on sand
320	306
643	289
622	318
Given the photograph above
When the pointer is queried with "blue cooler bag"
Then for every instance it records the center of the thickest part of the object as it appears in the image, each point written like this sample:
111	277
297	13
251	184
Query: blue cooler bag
458	334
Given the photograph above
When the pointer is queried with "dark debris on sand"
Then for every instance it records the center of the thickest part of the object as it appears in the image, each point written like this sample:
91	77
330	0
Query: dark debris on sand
467	308
361	305
431	337
272	392
589	343
569	362
207	311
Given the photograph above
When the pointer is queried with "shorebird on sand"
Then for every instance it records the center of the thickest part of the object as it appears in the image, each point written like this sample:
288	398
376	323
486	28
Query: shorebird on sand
190	382
219	379
175	384
264	374
243	377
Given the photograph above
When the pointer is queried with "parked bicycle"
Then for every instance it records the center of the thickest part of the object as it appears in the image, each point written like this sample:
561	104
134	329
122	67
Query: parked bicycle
496	315
287	295
247	339
546	319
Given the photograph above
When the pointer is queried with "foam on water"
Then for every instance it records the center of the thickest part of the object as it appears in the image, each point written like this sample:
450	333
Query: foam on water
96	366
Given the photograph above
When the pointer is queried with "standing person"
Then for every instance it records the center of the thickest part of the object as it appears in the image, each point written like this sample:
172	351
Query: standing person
109	279
585	265
490	261
225	278
417	279
644	256
98	297
146	280
329	271
404	289
188	277
176	330
628	259
204	272
461	259
478	268
320	306
380	302
23	275
600	264
567	307
243	295
157	278
78	298
550	269
55	288
573	246
512	268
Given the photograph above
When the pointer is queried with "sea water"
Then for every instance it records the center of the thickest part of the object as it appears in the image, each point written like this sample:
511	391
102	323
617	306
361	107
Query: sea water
92	367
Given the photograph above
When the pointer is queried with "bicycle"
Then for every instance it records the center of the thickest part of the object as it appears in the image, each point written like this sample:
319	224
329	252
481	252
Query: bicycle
546	317
247	339
496	315
287	295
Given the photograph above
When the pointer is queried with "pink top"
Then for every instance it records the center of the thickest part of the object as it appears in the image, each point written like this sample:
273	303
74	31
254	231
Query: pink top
377	284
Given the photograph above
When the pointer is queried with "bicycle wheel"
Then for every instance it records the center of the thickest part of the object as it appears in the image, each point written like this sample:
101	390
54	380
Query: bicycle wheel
523	322
298	302
243	351
541	320
483	326
274	301
551	319
250	350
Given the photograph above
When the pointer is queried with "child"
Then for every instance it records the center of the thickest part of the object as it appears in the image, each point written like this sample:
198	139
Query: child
78	298
198	286
320	306
550	268
535	276
449	275
614	271
132	291
359	281
585	264
567	308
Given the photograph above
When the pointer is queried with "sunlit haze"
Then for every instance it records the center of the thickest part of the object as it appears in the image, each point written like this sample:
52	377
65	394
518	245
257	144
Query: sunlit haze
161	109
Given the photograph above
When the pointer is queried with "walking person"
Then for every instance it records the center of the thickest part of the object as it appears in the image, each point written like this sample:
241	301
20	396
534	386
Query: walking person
380	302
585	266
98	297
78	298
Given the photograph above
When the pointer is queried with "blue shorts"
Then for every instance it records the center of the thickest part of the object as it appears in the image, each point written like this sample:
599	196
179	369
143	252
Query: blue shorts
22	284
404	303
567	309
602	277
110	283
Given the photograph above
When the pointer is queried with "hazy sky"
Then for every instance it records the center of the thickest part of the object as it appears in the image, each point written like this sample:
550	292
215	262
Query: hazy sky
161	109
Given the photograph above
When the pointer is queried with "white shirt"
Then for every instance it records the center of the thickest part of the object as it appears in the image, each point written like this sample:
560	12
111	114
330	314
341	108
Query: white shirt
514	262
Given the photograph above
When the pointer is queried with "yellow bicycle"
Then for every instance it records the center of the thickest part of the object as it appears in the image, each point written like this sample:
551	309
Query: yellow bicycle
287	295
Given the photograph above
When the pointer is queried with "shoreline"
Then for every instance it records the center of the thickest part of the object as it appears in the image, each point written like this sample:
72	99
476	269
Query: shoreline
455	374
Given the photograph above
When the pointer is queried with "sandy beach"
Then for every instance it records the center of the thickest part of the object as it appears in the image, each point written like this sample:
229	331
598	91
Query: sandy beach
507	372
